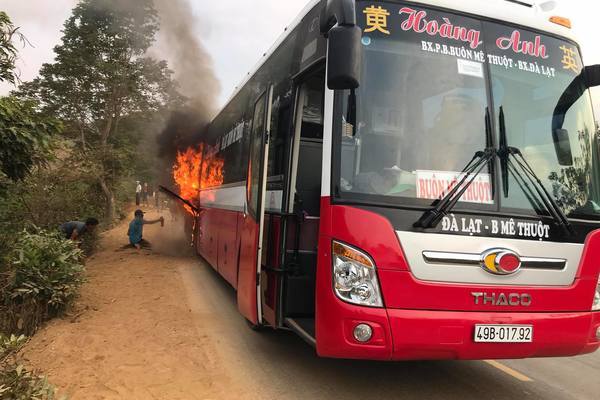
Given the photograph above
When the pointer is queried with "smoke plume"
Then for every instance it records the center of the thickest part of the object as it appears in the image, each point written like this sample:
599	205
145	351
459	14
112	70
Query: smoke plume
187	56
179	44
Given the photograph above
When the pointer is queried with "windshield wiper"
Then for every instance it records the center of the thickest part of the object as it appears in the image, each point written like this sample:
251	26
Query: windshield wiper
542	193
539	194
433	217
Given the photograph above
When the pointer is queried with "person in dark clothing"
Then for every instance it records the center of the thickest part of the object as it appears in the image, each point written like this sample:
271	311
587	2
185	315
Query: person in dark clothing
136	230
145	194
74	230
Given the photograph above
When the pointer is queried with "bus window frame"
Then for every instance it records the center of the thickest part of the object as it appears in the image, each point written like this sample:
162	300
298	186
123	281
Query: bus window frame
263	97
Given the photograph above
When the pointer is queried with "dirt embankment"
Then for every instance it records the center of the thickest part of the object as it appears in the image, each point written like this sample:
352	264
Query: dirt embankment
133	334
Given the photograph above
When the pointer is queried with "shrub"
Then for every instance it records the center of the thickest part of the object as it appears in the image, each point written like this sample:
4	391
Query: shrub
16	382
40	280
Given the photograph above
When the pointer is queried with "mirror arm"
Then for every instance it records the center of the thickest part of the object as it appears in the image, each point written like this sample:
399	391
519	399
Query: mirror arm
569	97
341	12
587	79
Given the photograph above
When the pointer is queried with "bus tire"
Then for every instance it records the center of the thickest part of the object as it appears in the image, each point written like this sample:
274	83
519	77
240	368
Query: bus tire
255	327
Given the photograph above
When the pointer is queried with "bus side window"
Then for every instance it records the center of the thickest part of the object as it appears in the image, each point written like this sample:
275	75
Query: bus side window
310	153
256	144
280	123
312	118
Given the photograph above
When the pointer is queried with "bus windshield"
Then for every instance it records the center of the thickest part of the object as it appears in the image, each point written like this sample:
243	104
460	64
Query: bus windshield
432	89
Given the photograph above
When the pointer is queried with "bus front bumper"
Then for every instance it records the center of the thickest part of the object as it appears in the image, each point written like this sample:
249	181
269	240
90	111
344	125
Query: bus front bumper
449	335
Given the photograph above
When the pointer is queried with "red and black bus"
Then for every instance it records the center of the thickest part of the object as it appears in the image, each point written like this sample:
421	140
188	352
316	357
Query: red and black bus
412	180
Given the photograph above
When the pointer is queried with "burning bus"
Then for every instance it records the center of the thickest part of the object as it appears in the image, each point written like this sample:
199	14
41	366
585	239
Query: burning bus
411	180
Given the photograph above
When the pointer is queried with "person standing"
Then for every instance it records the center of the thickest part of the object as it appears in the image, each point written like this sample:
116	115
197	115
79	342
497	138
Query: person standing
138	193
145	194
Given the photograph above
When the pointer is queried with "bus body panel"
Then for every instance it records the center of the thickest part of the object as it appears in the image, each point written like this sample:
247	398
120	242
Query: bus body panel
437	327
419	334
376	236
402	291
246	291
228	245
208	237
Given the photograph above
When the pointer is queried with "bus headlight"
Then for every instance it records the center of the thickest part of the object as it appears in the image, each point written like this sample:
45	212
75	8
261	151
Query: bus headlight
596	305
355	277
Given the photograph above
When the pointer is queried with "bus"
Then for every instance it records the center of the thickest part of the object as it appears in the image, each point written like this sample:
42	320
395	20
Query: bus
412	180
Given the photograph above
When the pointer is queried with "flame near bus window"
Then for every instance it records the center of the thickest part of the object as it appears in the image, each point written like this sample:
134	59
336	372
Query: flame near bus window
196	169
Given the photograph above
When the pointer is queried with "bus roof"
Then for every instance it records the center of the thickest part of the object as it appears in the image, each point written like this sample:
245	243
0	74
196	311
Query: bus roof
527	13
287	30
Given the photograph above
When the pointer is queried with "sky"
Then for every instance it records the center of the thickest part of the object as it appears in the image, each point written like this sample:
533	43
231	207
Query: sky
235	41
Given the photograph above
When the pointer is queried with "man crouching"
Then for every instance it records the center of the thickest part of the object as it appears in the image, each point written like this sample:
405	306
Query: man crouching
136	230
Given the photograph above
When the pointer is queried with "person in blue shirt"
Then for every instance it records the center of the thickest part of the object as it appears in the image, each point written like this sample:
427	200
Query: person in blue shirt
74	230
136	229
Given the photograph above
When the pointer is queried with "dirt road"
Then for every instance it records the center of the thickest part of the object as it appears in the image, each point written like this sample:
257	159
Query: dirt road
161	325
134	334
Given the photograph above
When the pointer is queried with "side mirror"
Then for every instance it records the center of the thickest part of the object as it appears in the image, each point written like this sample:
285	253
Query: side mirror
592	76
344	58
562	144
588	78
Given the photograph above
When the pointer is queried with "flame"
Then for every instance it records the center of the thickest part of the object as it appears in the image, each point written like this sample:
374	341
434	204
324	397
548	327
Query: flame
212	170
196	169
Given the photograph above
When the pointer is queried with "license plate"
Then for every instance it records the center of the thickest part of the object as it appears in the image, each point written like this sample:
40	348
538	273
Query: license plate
503	333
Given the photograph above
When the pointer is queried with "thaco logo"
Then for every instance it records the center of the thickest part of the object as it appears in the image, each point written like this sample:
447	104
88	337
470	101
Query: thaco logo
501	262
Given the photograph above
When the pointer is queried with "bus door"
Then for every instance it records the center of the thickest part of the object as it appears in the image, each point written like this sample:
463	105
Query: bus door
248	295
304	202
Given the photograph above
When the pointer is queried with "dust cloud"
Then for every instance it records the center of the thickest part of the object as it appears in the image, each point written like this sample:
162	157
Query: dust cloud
173	239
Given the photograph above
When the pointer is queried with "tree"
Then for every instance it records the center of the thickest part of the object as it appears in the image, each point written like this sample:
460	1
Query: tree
24	132
102	77
8	51
24	137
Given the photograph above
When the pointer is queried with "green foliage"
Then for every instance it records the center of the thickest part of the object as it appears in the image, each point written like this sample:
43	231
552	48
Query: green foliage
8	51
24	137
104	87
16	382
10	345
40	280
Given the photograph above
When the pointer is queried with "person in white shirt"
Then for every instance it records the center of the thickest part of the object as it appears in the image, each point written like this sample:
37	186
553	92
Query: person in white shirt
138	193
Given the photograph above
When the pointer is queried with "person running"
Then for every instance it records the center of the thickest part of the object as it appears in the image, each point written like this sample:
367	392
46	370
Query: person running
136	230
74	230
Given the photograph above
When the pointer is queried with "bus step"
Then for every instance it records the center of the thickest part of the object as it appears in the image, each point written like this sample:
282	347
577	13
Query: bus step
305	327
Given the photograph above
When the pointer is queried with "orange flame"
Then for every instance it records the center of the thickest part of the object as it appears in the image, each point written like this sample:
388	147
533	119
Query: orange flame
195	170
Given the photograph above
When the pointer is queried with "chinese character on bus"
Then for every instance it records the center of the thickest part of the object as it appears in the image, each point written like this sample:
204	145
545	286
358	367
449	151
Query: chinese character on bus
377	19
569	61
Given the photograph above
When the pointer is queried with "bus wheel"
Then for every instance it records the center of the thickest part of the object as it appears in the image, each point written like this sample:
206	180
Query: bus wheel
255	327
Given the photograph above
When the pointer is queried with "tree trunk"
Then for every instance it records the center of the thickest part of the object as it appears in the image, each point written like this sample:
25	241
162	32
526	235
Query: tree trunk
109	200
107	130
82	134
